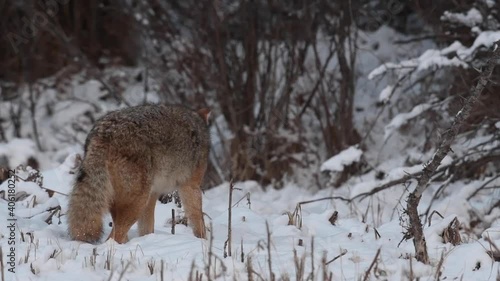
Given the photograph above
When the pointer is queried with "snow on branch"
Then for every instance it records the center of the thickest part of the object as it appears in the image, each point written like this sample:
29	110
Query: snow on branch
386	94
472	18
455	55
343	159
485	39
430	59
403	118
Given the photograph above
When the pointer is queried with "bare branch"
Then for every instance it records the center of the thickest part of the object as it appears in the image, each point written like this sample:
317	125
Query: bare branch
442	150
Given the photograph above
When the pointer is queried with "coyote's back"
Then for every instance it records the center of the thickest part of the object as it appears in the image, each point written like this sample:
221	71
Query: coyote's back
131	157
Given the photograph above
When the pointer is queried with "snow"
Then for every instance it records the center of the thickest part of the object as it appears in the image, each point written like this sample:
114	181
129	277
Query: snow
382	69
385	94
53	256
344	158
485	39
18	151
430	59
403	118
434	59
472	18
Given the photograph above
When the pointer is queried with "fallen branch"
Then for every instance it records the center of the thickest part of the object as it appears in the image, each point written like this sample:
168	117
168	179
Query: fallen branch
386	186
324	198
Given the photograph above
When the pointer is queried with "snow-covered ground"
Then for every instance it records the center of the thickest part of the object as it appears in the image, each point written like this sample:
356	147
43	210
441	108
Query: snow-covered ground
298	237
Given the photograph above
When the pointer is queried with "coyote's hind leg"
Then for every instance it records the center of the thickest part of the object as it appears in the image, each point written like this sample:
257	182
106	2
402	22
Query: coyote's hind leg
132	186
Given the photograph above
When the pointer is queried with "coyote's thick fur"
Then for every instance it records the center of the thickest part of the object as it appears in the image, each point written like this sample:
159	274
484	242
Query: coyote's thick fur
132	156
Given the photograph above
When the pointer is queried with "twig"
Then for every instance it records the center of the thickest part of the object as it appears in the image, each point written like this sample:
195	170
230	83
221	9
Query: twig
33	116
482	187
497	204
437	193
318	82
344	251
386	186
324	198
246	196
493	252
55	191
454	164
368	132
429	36
53	211
434	212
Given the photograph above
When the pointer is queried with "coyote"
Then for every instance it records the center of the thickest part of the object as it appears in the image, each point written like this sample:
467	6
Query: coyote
132	156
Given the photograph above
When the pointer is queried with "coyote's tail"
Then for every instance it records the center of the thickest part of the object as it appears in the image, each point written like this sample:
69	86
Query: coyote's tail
89	199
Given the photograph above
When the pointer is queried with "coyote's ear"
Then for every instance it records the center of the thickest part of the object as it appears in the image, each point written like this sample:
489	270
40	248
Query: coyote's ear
205	114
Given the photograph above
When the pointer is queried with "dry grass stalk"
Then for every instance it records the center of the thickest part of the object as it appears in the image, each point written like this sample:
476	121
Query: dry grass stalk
439	266
247	197
324	268
451	234
173	222
162	270
367	274
53	211
299	265
312	260
269	262
295	218
242	252
229	218
410	275
249	269
151	266
377	234
494	251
